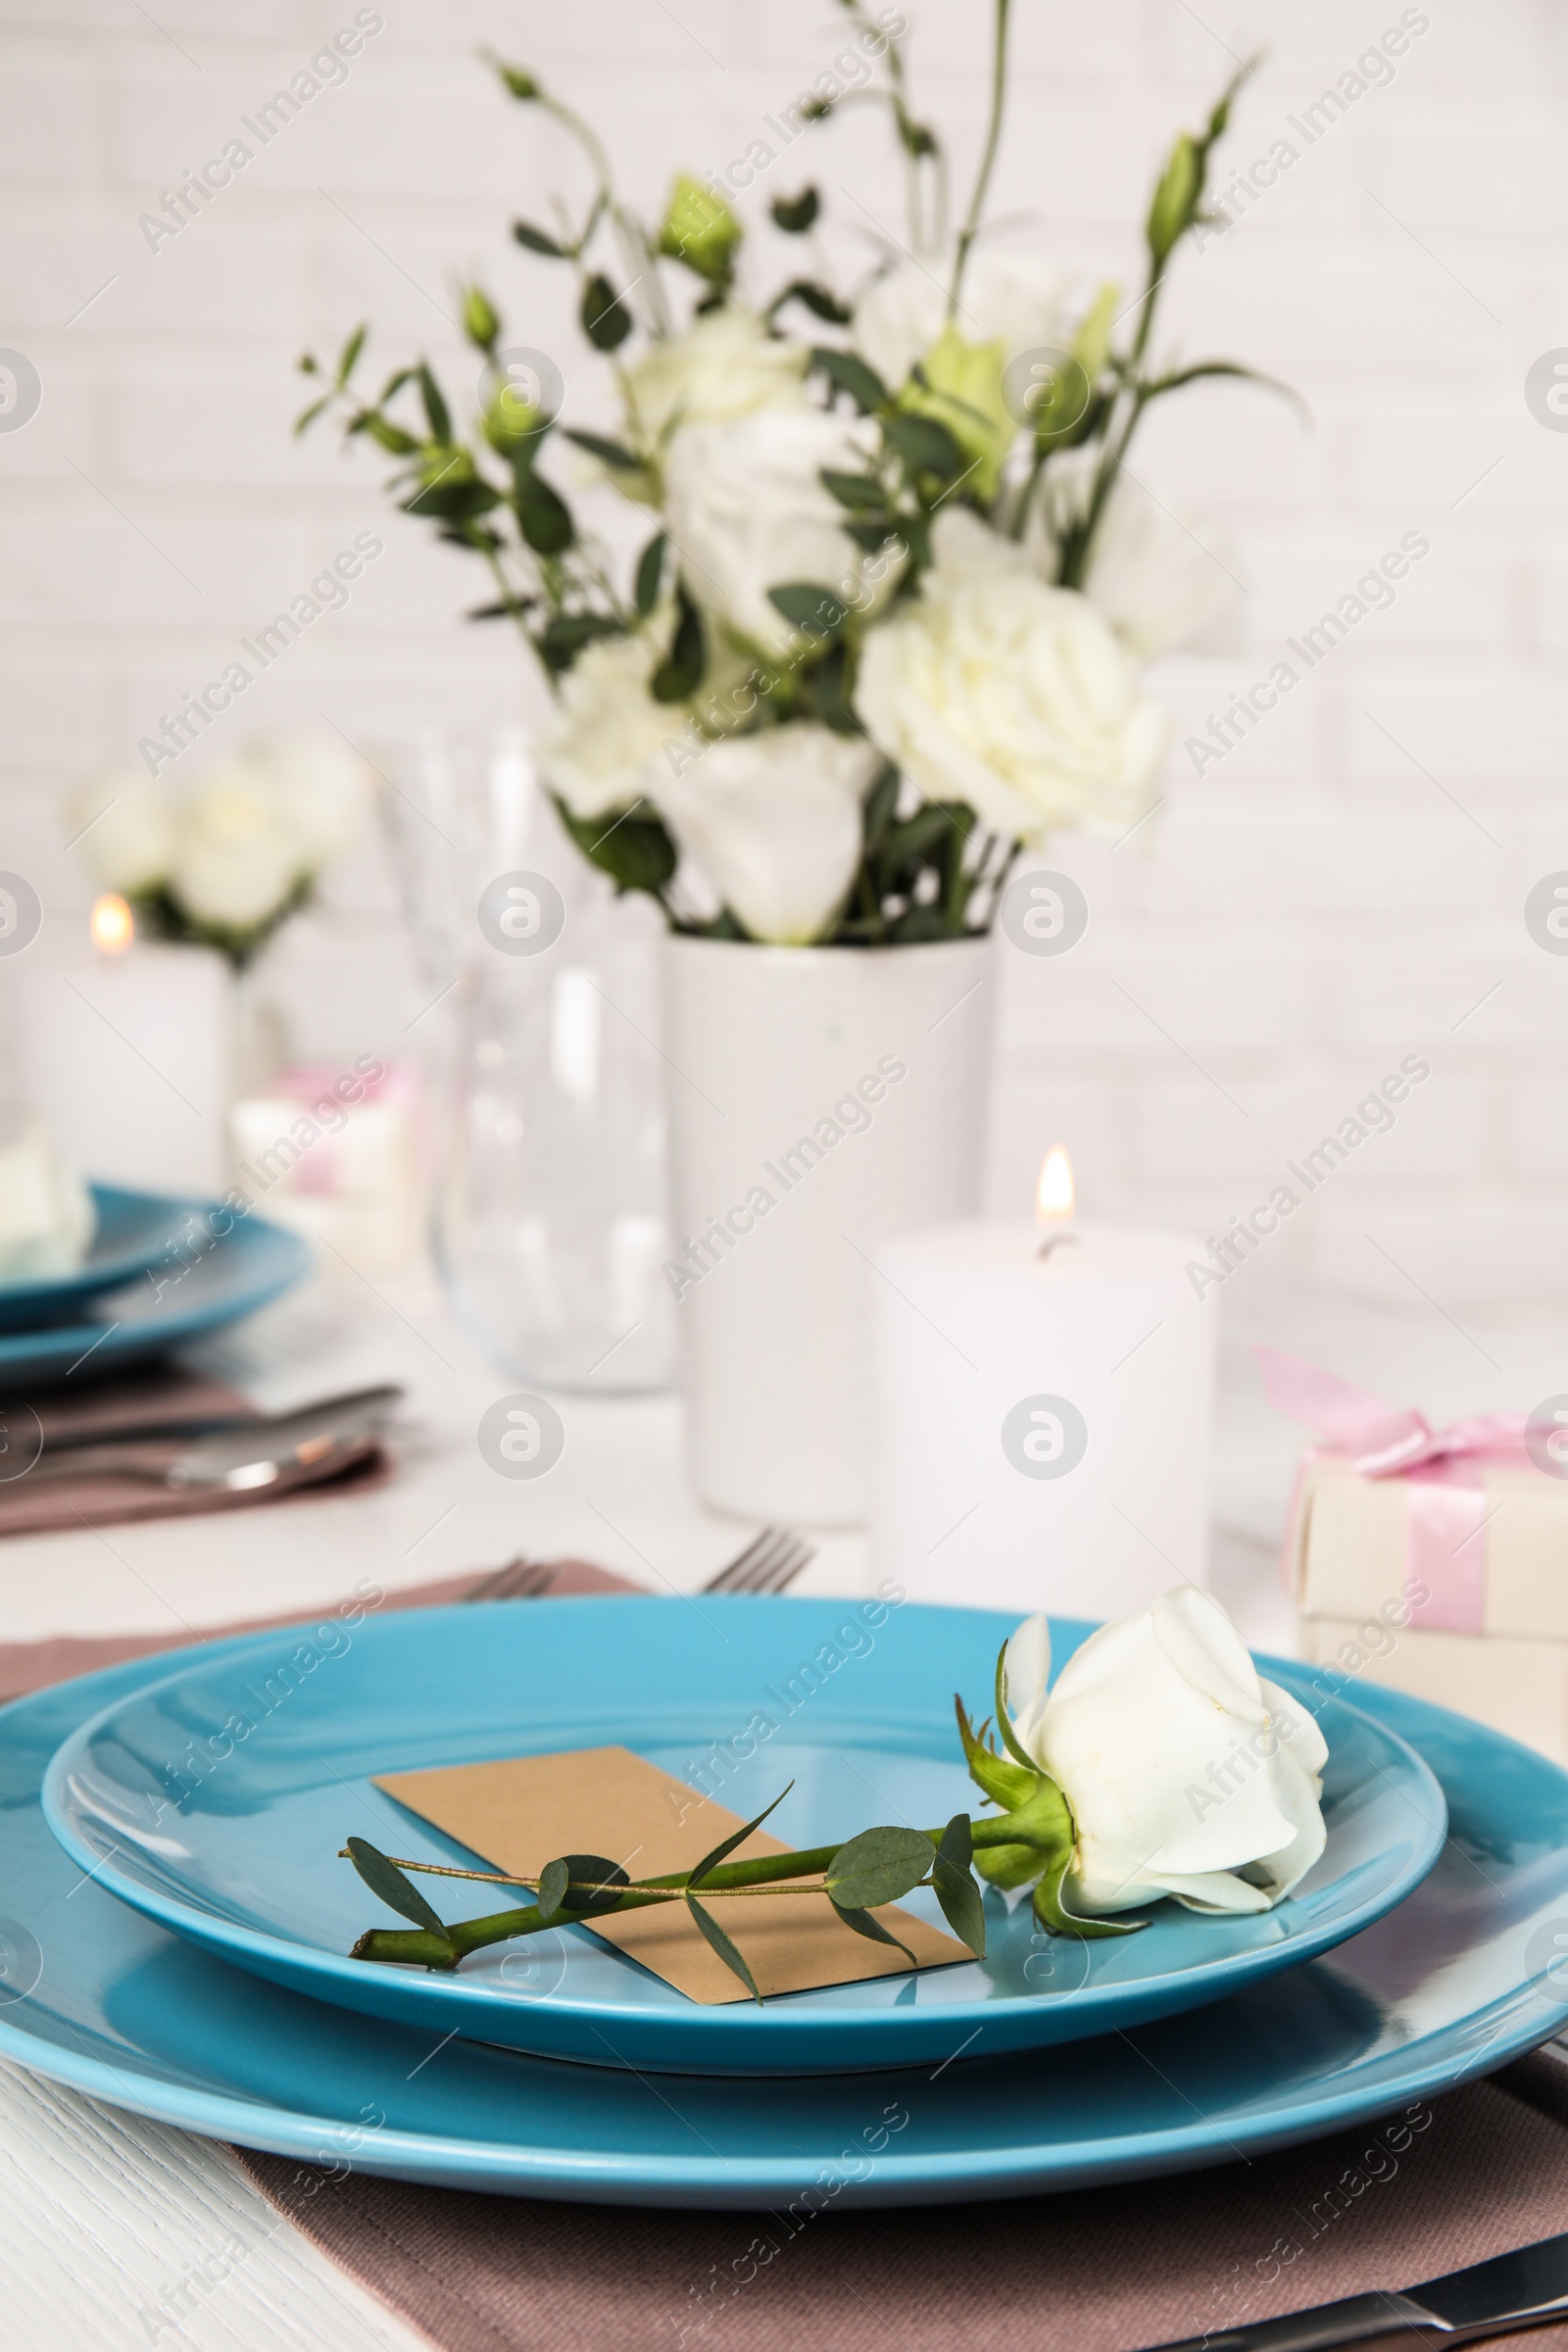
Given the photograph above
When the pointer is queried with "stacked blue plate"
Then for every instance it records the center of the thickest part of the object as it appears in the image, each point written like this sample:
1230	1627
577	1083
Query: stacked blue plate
201	1975
160	1270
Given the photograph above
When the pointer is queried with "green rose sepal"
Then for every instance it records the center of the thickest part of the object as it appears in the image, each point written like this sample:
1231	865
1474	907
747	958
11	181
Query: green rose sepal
1035	1809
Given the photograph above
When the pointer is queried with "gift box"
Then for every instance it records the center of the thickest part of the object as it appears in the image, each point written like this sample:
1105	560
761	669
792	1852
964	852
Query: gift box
1431	1561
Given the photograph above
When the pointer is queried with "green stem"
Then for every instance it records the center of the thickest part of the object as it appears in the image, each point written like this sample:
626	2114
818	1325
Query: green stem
425	1948
999	97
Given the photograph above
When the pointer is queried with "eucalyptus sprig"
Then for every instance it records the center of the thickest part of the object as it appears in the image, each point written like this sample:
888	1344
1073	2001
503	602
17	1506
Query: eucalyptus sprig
1032	1840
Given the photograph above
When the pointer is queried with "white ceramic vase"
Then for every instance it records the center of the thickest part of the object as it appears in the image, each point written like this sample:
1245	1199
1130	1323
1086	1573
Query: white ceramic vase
819	1099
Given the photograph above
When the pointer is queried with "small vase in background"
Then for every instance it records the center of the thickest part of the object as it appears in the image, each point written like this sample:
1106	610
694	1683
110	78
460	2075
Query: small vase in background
548	1225
819	1099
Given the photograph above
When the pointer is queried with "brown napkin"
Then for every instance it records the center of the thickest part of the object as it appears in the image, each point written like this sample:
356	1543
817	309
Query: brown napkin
143	1406
1104	2270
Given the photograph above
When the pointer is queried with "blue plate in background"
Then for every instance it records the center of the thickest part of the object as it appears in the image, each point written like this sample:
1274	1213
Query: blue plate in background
246	1864
132	1232
182	1268
1451	1986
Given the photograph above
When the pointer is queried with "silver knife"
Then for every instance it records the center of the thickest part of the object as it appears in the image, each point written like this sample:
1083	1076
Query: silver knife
1522	2290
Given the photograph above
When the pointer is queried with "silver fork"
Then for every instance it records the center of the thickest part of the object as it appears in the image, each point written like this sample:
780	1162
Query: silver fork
769	1563
519	1580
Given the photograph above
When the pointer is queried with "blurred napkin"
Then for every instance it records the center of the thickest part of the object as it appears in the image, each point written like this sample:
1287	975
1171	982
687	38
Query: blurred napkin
162	1406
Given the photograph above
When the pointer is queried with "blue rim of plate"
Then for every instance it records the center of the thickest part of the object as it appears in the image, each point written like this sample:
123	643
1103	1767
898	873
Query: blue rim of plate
242	1264
1449	1988
447	1686
132	1231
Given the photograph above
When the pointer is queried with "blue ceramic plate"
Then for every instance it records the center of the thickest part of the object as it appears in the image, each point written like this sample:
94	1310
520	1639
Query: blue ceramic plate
133	1231
1451	1986
232	1840
192	1267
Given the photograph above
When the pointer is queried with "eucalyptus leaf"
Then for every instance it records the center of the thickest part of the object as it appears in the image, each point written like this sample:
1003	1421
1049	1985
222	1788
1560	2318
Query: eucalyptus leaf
543	515
845	373
553	1881
597	1885
650	572
872	1928
384	1879
953	1885
437	413
732	1958
809	607
727	1845
680	674
538	240
606	320
877	1867
613	454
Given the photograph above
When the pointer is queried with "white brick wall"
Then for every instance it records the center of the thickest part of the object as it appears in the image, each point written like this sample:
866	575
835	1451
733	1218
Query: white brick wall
1342	889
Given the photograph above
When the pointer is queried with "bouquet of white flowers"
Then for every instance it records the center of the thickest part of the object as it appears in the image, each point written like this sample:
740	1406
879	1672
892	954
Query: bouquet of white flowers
889	622
224	862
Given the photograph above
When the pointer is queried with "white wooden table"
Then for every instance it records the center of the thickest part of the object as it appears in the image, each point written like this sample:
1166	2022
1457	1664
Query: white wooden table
103	2215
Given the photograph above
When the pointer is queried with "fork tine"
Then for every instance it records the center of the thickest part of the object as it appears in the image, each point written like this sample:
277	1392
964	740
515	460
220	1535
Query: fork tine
796	1556
730	1578
754	1577
520	1579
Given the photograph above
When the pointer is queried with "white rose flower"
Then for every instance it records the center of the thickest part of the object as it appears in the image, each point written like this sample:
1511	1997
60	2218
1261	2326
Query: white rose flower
1188	1775
746	508
322	791
125	822
46	1212
235	860
725	364
773	821
1007	298
993	688
607	739
1162	577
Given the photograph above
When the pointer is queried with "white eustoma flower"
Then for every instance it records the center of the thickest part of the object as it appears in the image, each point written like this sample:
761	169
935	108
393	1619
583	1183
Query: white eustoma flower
747	511
773	821
606	740
1186	1774
725	364
1162	575
993	688
322	792
1008	298
235	859
125	824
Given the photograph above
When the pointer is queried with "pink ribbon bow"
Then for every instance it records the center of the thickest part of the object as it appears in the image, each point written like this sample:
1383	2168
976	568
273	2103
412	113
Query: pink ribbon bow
1444	1468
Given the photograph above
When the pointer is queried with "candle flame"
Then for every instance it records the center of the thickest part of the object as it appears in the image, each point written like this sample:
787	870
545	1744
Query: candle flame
1055	1199
111	924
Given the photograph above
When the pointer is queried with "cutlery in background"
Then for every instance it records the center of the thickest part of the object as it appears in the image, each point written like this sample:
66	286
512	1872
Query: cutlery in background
272	1449
1522	2290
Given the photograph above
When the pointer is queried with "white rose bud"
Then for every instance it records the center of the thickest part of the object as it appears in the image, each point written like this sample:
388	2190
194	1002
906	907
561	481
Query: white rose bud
125	824
322	790
724	365
773	821
235	860
993	688
1008	298
608	742
1186	1774
748	511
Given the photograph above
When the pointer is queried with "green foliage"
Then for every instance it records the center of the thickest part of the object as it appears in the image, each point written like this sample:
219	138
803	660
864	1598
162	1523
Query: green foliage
538	240
479	321
953	1885
815	298
680	674
847	374
635	850
795	214
810	607
606	320
594	1884
554	1881
728	1951
384	1879
878	1867
650	573
543	515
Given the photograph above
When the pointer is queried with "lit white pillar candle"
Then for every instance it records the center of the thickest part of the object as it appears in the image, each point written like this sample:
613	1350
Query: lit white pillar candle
1044	1405
127	1050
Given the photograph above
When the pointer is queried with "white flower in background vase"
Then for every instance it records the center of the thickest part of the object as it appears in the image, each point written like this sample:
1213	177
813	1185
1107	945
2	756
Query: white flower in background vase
748	511
993	688
1186	1773
773	821
235	859
322	791
607	741
725	364
1162	575
1008	298
125	824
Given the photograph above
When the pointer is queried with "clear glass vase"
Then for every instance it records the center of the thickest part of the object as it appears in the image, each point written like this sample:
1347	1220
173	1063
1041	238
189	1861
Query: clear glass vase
548	1228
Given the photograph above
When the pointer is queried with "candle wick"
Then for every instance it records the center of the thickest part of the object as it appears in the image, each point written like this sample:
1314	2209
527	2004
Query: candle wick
1056	1241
